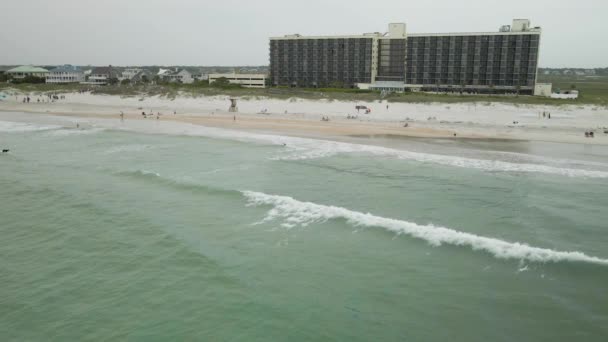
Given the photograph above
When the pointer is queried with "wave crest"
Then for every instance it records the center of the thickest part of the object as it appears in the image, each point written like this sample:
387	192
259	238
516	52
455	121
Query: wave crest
295	213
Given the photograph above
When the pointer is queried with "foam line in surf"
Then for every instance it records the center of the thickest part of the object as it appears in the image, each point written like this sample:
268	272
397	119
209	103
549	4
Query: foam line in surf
296	213
306	148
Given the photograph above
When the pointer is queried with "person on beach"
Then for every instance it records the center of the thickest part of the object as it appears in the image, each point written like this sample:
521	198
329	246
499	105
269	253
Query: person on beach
122	116
549	116
234	118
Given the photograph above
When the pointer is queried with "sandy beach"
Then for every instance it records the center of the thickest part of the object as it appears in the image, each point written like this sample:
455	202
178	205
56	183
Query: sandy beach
300	117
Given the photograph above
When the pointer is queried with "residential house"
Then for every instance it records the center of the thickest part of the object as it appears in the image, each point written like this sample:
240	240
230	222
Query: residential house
102	76
27	70
129	73
181	76
65	74
200	77
142	76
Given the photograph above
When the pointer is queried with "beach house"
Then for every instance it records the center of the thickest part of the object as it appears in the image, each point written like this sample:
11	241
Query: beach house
24	71
65	74
181	76
102	76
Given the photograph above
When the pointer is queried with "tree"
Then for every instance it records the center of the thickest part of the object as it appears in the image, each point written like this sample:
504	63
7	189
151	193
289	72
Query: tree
125	82
30	79
113	81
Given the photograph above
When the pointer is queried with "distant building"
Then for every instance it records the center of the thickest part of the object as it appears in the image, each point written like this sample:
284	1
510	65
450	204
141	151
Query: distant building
245	80
181	76
543	89
200	77
65	74
590	72
505	61
102	76
162	72
142	76
129	73
27	70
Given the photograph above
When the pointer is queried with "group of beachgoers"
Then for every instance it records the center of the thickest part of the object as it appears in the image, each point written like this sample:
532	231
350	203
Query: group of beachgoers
146	115
42	99
589	134
325	118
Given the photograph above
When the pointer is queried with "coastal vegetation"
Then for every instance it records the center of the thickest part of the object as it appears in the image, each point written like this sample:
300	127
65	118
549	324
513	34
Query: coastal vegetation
593	91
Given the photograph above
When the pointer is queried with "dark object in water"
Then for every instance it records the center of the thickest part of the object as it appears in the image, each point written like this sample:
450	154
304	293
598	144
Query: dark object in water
5	150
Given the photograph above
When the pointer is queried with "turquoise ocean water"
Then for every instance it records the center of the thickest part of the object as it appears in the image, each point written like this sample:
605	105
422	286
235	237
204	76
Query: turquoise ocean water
116	232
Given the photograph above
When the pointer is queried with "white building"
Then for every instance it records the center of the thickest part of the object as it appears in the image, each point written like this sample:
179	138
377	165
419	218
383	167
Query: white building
65	74
543	89
181	76
244	80
102	76
128	74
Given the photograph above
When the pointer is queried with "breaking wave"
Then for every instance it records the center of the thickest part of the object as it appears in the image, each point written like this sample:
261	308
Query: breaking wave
295	148
295	213
319	149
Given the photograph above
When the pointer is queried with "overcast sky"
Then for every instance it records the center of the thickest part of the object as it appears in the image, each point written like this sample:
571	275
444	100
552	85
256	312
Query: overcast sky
231	32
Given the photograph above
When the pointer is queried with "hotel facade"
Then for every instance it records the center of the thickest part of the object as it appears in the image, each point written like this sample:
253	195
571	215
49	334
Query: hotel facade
505	61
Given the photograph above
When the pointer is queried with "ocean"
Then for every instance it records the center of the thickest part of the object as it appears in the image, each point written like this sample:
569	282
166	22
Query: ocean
158	231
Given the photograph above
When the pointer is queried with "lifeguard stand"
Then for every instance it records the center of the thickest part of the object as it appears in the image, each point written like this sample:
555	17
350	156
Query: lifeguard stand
233	107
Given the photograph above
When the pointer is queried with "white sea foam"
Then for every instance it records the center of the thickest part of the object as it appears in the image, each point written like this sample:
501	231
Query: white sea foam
296	148
311	149
16	127
295	213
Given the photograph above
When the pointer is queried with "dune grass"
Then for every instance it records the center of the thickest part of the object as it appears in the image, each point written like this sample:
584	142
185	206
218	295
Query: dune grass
593	91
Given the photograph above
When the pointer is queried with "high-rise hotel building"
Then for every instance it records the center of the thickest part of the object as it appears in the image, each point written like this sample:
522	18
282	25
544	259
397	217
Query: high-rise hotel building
489	62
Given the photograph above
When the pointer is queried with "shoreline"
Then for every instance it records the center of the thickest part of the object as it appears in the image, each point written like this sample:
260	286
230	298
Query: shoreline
303	118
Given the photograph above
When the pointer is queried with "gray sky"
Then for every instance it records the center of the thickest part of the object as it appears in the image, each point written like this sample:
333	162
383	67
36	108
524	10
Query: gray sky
231	32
